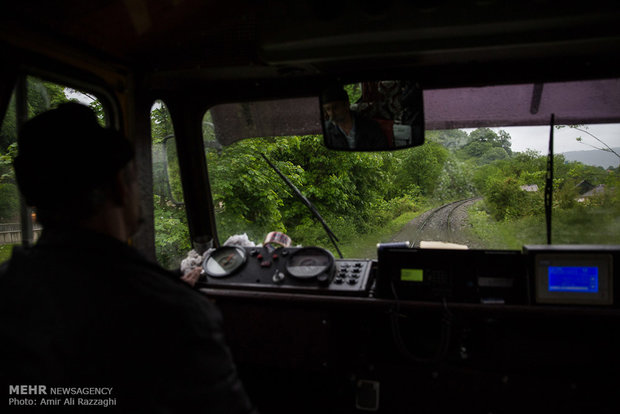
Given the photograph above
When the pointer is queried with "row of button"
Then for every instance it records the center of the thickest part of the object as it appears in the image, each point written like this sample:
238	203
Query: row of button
348	273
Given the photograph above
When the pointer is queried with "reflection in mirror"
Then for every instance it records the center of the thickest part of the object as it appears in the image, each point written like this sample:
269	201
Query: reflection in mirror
372	116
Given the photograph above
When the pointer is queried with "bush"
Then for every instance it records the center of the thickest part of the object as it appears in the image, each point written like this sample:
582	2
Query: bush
9	203
172	241
505	199
5	252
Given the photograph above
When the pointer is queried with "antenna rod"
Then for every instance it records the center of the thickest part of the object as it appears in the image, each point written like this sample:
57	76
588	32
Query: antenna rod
330	233
549	182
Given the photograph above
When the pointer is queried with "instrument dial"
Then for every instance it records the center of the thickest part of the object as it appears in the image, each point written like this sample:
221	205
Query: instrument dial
224	261
310	262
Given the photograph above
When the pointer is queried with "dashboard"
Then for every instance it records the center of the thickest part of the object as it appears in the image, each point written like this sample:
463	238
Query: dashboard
539	275
285	269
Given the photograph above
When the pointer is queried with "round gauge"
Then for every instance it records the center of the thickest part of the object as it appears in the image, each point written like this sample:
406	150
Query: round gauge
224	261
309	262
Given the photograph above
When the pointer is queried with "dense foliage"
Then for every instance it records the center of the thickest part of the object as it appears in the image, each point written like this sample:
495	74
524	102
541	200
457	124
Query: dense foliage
586	202
355	192
360	193
172	241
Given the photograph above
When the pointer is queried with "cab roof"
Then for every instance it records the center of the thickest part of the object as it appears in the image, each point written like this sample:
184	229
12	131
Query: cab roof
442	43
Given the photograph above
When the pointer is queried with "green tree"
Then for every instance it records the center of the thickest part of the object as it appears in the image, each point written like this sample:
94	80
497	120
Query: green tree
506	199
483	140
9	203
421	166
172	241
249	195
493	154
456	180
354	90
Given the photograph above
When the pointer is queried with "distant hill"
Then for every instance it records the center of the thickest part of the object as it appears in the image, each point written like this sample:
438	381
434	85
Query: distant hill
594	157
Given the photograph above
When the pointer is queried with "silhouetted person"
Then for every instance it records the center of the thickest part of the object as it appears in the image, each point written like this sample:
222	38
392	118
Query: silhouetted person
346	128
84	309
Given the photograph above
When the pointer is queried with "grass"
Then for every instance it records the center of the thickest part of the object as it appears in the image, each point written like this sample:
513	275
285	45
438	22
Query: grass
587	225
5	252
579	225
365	246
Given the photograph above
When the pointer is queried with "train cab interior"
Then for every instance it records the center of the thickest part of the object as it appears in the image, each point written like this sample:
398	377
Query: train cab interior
225	104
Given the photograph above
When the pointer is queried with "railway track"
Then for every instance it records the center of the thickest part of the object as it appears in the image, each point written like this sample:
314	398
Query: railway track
437	224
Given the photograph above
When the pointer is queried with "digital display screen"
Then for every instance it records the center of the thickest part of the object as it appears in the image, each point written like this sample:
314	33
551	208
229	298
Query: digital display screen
573	279
412	275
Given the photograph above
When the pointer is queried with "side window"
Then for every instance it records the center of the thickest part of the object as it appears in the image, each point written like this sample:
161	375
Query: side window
10	229
39	96
172	240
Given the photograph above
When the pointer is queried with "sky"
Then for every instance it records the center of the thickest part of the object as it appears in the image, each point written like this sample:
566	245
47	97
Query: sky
564	139
81	97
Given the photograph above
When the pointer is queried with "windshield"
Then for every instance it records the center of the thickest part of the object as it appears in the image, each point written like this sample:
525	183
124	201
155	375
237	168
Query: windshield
476	187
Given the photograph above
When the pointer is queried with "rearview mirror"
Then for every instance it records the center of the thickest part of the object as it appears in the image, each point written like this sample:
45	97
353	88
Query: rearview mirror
373	116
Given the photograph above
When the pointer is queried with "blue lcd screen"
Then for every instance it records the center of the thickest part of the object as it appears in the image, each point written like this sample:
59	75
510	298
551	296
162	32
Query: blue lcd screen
573	279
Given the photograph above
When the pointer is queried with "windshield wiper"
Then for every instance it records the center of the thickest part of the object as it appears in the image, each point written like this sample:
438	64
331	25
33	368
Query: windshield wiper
307	203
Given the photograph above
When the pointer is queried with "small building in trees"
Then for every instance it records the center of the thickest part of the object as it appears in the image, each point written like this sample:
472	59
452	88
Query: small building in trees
584	186
595	191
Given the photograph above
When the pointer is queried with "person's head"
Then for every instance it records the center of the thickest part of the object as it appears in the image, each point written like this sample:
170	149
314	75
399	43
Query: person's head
70	169
335	103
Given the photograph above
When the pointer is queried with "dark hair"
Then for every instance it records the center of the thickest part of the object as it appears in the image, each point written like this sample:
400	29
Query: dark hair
65	160
333	94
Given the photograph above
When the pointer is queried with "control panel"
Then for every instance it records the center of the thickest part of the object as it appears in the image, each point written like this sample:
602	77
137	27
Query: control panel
538	275
285	269
573	275
466	276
